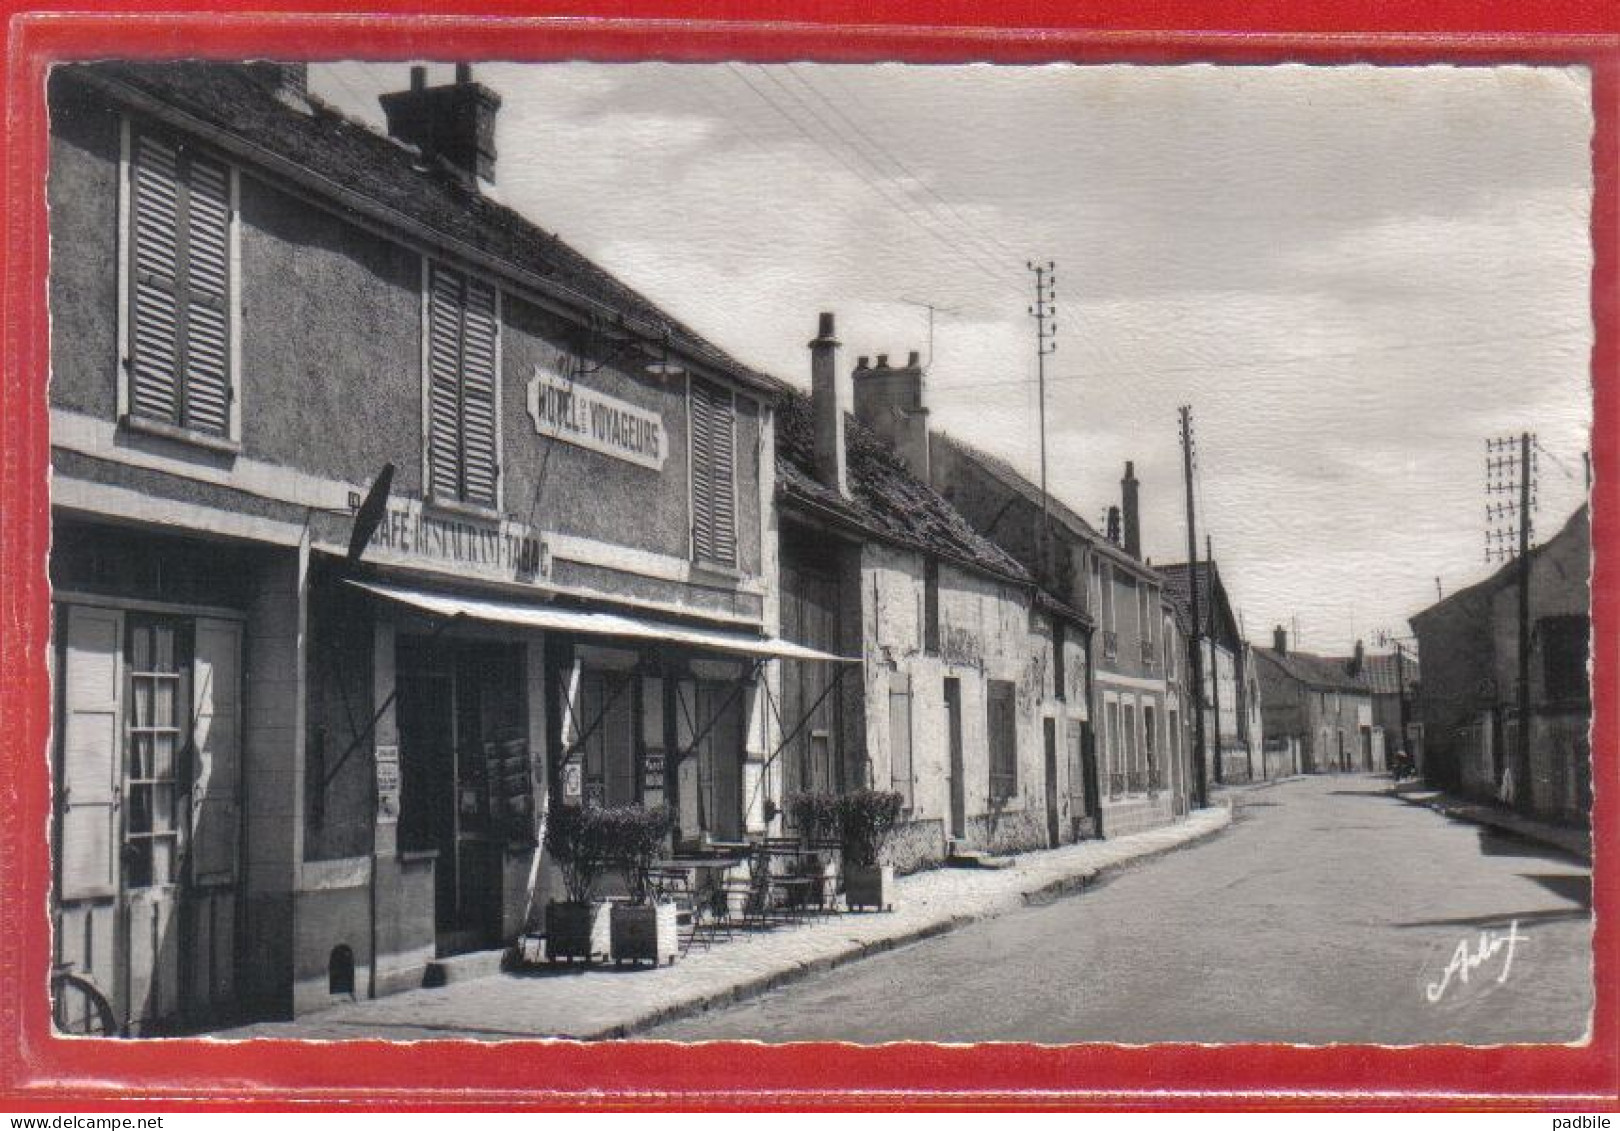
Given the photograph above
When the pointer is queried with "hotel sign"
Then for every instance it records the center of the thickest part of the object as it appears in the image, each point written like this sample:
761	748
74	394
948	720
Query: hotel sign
566	410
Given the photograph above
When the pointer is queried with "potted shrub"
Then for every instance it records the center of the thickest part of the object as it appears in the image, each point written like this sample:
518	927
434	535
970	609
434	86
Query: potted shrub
580	926
645	928
815	817
865	820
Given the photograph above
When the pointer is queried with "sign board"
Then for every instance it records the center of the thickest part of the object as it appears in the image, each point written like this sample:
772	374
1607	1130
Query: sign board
387	760
410	534
653	770
573	780
565	410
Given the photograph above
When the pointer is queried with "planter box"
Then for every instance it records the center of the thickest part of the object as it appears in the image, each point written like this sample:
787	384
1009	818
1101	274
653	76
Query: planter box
645	933
577	930
869	886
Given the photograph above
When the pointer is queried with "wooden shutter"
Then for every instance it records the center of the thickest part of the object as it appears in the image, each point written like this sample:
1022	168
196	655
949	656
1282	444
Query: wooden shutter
900	735
702	461
207	294
714	503
154	281
216	742
479	384
92	680
444	383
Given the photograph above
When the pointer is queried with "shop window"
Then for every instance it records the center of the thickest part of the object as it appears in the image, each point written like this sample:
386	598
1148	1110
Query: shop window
462	355
714	489
1000	705
607	706
900	772
181	224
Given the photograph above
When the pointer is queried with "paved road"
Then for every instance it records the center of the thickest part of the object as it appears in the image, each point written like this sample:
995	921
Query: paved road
1329	912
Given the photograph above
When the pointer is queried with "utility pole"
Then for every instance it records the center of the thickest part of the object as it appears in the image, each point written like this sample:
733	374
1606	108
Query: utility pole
1201	786
1214	656
1509	474
1045	314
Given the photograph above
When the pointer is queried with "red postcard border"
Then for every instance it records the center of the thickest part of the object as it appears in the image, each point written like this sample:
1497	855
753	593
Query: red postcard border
38	1071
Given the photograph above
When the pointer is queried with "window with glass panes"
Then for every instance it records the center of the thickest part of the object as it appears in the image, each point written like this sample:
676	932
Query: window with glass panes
155	745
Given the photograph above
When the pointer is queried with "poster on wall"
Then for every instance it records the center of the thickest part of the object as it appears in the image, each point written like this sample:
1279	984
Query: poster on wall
387	759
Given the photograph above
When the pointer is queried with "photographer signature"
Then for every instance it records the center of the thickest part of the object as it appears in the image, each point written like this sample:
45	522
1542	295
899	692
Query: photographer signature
1466	960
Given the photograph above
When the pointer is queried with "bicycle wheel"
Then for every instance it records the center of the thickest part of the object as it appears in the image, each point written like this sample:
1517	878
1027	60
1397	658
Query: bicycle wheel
79	1008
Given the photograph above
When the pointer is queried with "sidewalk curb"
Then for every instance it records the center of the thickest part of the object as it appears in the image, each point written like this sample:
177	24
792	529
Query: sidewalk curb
1467	811
1044	893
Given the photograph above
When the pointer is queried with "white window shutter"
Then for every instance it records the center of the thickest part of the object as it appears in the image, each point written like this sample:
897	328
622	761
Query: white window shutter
92	678
216	742
154	253
479	387
444	394
207	291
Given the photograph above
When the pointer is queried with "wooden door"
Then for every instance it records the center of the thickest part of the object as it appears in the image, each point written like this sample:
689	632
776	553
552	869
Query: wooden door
90	695
216	819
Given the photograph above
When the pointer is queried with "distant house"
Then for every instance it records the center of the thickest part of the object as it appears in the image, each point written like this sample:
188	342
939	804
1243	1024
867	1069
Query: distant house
1233	724
1138	717
1468	693
1323	704
1394	682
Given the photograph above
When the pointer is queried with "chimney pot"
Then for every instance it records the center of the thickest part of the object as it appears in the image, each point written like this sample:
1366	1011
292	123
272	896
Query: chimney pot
463	73
862	363
883	361
1129	491
914	361
827	408
455	122
1279	640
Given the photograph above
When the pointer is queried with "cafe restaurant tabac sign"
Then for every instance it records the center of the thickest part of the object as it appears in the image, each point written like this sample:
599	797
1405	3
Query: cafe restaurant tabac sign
568	411
425	537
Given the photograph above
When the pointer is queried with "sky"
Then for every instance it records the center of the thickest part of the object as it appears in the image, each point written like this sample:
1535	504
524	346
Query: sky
1354	276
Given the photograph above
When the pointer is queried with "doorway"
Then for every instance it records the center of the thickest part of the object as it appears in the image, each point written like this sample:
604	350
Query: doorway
461	708
953	731
1053	829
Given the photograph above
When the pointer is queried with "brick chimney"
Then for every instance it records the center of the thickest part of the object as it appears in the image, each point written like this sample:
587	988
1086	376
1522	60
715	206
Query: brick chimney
1279	640
889	401
827	408
289	82
1131	516
455	122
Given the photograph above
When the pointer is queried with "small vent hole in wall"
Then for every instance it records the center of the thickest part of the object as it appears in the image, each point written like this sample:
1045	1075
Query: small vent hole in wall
340	971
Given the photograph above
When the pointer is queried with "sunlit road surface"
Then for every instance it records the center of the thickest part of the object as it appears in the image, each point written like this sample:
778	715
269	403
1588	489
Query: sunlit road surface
1330	912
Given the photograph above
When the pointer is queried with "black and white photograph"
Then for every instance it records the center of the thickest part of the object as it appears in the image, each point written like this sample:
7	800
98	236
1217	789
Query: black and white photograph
800	551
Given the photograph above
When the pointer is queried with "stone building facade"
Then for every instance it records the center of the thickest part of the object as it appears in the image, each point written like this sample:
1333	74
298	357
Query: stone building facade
1468	691
381	519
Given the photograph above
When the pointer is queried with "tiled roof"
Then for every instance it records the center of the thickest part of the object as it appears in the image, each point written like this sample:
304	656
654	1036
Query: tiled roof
1010	477
886	501
1317	671
352	159
1505	574
1382	677
1179	580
